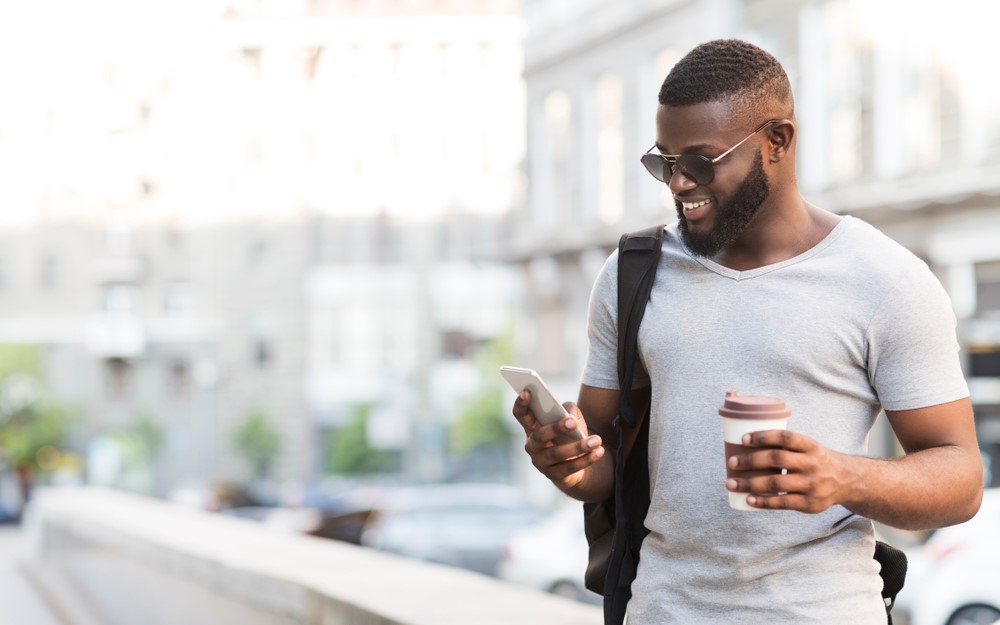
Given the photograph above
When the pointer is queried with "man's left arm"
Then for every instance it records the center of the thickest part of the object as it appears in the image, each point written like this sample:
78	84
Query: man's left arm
938	482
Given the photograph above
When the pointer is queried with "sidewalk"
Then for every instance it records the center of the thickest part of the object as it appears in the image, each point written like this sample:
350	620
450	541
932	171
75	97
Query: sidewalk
83	597
20	602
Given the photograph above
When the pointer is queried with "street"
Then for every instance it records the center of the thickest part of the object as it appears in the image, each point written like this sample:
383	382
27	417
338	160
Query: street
20	601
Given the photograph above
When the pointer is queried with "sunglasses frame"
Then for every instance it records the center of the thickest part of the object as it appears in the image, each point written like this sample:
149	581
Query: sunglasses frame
653	161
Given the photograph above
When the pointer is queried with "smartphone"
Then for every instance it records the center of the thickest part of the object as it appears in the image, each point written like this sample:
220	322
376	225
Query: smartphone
544	404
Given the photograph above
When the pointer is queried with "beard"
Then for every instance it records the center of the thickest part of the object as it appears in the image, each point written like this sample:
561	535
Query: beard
731	218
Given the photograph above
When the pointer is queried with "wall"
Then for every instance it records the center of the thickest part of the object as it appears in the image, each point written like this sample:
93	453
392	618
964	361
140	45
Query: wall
109	557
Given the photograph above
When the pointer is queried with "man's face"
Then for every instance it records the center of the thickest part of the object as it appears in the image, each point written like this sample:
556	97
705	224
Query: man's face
713	215
732	216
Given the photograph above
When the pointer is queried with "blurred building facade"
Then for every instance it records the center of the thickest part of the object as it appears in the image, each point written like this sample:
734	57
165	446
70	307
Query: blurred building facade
287	207
895	127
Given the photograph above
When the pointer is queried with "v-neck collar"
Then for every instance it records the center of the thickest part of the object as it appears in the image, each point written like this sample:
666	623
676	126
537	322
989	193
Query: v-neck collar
733	274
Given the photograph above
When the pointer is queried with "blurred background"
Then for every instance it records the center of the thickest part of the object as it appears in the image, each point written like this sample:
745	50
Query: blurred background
263	255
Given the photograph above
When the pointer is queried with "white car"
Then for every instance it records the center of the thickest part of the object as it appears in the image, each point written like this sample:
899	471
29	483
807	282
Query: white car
954	577
551	556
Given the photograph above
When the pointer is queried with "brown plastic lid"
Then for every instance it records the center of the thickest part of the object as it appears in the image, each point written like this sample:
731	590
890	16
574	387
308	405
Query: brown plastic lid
739	406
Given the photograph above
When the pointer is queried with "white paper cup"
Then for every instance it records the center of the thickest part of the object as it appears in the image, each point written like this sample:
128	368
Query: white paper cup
742	414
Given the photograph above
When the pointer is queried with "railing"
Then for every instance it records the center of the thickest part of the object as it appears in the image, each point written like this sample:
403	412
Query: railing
108	557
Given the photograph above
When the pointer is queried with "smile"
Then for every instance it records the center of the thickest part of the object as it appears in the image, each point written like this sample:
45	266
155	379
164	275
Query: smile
690	206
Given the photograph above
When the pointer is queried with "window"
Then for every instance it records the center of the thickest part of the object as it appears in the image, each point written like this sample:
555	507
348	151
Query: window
988	289
177	299
251	60
262	340
47	272
558	123
179	378
610	149
119	300
117	377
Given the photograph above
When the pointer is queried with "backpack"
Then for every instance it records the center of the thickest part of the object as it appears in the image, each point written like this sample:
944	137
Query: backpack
615	527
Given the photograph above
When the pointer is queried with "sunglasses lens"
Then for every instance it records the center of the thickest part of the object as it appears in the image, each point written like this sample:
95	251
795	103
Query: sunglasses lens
697	168
656	166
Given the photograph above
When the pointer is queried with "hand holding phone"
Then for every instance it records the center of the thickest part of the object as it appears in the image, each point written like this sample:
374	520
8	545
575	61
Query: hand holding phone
544	404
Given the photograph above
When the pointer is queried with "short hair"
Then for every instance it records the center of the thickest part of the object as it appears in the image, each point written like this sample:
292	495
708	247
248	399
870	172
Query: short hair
730	70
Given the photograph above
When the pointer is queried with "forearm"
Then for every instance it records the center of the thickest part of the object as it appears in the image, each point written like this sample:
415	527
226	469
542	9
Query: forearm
925	489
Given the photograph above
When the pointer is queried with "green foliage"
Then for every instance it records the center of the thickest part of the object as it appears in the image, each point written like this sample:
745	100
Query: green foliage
258	441
350	453
39	425
29	421
20	359
138	443
141	441
482	421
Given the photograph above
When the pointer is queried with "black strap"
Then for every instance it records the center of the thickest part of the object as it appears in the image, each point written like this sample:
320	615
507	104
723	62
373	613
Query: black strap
638	257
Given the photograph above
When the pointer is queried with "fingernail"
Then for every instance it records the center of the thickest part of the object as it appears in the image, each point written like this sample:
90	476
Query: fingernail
592	442
751	500
746	439
731	484
569	423
731	463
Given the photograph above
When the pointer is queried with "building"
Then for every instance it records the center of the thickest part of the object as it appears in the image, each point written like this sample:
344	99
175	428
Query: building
206	198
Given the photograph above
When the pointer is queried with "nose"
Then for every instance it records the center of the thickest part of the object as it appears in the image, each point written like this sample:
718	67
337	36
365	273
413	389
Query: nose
678	182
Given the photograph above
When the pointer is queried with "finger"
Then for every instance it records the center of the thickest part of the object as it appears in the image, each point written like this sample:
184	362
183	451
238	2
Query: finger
762	459
574	412
557	467
522	411
769	484
786	439
556	436
791	501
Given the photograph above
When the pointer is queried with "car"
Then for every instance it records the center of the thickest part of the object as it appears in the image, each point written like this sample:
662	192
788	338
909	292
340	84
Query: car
953	577
551	556
460	525
279	519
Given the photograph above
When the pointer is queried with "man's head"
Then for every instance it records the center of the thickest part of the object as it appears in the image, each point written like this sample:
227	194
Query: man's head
725	139
734	71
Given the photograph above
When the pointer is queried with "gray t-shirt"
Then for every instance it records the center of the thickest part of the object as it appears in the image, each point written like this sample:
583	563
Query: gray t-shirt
855	324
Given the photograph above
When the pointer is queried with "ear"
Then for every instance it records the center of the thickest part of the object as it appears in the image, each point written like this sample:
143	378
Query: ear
780	139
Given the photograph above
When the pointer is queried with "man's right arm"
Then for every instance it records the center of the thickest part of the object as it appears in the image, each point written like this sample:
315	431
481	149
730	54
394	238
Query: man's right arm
583	469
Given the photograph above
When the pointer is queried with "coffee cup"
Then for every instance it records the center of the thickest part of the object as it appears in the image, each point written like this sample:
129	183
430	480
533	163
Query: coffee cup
742	414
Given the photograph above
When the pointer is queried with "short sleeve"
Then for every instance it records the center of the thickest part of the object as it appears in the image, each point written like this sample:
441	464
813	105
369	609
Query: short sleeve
913	352
601	370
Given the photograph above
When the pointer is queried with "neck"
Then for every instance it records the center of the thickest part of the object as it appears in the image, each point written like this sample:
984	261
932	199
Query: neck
781	230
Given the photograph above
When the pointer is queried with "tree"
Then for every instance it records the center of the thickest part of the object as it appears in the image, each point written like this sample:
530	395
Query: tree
481	428
139	443
33	427
259	442
349	451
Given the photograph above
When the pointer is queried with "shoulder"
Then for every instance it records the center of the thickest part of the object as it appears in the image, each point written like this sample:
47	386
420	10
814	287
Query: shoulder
869	244
873	256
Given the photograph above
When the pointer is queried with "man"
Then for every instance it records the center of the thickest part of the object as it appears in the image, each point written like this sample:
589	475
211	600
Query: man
761	292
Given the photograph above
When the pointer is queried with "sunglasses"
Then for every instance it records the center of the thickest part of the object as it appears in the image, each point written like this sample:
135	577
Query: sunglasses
695	167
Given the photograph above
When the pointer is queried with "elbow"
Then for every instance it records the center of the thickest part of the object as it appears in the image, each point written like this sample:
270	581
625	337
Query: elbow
973	499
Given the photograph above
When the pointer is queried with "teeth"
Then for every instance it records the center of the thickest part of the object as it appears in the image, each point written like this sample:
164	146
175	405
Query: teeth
690	206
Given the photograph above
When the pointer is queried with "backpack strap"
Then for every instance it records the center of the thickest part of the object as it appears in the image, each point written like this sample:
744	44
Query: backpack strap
638	258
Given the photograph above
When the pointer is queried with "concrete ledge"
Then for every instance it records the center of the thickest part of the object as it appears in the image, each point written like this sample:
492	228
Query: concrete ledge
183	559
